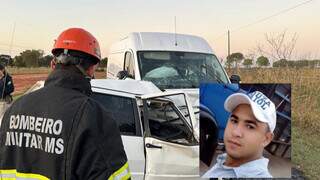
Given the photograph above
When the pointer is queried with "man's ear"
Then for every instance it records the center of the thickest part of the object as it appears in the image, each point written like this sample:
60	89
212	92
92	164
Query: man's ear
53	64
91	70
268	138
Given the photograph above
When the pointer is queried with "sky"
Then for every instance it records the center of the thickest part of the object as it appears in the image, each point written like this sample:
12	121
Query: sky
34	24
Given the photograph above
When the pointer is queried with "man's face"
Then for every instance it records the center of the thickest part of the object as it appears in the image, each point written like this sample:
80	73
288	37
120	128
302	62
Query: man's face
244	136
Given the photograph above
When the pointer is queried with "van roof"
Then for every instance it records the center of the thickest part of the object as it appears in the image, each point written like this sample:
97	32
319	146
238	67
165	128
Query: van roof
158	41
132	87
127	88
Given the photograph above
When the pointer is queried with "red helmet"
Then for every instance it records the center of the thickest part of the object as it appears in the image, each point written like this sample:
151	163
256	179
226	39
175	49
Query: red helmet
77	39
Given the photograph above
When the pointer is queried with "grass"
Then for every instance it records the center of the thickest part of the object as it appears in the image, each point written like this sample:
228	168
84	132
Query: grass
17	96
306	147
39	70
100	73
305	111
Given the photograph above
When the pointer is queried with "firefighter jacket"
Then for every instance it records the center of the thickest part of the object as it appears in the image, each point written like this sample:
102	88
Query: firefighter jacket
58	132
6	85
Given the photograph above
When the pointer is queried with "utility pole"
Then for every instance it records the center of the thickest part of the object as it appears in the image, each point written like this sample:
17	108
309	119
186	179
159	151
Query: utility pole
12	36
228	43
228	51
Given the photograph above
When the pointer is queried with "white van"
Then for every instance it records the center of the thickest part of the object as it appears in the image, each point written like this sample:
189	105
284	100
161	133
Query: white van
170	61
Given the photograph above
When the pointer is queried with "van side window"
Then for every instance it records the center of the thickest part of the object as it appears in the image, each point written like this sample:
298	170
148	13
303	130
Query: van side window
122	110
129	64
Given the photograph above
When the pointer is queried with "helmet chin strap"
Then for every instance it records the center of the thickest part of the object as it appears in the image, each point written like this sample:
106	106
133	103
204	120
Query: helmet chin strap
86	75
65	59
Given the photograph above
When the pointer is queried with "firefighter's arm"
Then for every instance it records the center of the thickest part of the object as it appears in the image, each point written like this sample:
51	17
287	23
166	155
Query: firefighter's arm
98	151
9	87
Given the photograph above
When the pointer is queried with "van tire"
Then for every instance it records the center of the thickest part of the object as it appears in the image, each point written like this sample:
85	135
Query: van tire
208	137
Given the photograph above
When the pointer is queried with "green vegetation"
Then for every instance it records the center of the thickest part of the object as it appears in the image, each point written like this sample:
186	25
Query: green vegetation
306	151
32	58
263	61
247	63
17	96
297	63
25	70
234	58
305	111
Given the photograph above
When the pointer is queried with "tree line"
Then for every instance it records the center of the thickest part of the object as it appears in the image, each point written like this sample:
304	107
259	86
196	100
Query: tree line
277	46
237	59
34	58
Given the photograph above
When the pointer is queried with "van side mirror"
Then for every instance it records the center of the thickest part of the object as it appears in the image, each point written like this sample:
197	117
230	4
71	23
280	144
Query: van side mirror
122	74
235	78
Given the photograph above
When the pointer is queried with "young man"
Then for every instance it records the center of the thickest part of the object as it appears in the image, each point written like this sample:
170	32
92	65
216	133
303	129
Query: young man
59	132
249	130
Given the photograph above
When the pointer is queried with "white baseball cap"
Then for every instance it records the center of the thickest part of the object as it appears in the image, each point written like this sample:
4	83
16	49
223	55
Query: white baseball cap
262	107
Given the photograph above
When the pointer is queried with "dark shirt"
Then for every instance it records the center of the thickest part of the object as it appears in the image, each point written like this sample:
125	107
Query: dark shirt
6	85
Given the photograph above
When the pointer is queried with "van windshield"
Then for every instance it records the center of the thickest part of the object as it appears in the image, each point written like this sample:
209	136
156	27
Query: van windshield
175	70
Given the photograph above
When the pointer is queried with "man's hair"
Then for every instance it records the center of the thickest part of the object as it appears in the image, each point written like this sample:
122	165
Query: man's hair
1	67
73	57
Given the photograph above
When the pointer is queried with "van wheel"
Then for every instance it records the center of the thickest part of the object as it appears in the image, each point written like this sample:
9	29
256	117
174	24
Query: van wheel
208	139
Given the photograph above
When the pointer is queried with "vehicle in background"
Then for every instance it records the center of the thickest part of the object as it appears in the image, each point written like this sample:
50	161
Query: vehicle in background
157	128
170	61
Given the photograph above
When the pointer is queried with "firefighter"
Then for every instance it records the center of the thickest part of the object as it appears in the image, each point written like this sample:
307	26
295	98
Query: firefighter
6	88
59	132
6	85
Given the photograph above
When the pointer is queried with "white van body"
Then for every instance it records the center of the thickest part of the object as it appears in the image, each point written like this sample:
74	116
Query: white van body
194	53
152	41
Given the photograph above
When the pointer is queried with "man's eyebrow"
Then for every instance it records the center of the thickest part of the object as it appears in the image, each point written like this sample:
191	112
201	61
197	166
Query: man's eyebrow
251	122
234	116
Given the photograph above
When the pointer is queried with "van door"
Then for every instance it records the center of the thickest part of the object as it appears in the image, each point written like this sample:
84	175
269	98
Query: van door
125	112
172	151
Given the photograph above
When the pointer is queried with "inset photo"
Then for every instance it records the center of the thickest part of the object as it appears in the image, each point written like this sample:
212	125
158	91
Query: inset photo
245	130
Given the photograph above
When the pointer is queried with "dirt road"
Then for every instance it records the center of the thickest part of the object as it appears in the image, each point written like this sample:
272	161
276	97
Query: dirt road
22	82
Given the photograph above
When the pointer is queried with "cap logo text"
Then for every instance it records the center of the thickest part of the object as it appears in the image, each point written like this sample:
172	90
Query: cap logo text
260	99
